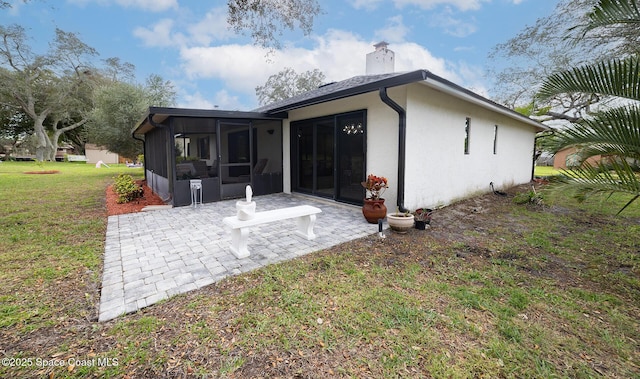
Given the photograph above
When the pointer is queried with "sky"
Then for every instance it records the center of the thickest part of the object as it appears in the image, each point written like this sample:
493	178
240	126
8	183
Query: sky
189	43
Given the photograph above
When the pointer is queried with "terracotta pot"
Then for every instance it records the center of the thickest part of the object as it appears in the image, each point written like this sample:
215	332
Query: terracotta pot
373	210
400	223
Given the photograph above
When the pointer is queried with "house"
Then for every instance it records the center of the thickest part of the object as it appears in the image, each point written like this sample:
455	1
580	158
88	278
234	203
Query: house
95	154
435	141
569	157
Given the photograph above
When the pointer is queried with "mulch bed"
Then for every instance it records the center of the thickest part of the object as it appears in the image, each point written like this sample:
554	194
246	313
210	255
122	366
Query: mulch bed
149	198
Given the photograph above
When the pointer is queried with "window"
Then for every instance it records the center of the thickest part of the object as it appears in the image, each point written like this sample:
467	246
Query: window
495	139
467	128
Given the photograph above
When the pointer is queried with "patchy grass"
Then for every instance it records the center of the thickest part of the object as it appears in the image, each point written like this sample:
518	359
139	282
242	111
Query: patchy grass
493	289
546	171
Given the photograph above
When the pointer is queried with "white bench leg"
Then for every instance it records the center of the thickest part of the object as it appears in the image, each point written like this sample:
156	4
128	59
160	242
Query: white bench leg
305	226
239	239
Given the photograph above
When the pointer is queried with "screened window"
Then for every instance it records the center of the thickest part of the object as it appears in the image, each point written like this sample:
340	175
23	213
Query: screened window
467	129
495	139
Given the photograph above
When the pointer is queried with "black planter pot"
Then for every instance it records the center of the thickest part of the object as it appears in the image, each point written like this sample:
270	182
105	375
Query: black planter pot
421	225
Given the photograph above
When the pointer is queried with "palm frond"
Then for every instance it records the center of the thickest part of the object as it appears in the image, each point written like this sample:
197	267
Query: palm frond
612	132
618	77
615	177
612	12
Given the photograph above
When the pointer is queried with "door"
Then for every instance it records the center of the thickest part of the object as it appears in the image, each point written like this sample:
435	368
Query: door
351	158
315	154
235	158
329	156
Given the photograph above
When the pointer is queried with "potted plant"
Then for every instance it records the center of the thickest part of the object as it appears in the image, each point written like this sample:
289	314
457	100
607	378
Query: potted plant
400	222
422	217
374	208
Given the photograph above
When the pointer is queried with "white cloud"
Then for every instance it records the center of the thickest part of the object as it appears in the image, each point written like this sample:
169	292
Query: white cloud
160	34
394	30
463	5
368	5
147	5
411	56
451	25
221	100
212	27
338	54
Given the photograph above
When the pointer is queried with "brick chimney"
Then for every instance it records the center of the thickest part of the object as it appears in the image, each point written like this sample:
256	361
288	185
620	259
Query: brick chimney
380	61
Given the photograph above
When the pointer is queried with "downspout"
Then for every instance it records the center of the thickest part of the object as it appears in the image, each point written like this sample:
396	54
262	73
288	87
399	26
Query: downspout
171	157
402	144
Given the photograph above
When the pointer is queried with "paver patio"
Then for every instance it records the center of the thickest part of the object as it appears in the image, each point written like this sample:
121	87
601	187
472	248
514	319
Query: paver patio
151	256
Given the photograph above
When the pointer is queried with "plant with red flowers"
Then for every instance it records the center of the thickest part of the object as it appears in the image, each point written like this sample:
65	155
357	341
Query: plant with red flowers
375	185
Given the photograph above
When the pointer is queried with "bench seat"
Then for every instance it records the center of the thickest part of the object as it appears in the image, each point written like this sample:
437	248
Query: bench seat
305	215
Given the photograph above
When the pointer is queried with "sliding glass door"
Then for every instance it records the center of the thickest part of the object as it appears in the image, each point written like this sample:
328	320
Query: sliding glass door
328	156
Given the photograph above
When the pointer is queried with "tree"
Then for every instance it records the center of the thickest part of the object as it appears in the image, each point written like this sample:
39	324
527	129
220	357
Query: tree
51	87
288	83
615	131
267	19
547	47
16	127
119	106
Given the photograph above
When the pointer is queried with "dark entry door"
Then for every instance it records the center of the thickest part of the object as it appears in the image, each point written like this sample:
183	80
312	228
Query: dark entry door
235	158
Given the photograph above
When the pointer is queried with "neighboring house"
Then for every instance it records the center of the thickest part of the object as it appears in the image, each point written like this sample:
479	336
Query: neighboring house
568	157
63	150
95	153
435	141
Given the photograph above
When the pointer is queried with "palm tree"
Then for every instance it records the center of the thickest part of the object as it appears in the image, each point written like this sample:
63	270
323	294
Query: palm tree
615	132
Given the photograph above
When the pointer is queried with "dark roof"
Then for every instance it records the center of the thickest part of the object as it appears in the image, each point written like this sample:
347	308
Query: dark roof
159	114
368	83
338	90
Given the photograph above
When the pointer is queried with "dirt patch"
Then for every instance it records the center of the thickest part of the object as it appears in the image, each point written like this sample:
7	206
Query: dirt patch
149	198
45	172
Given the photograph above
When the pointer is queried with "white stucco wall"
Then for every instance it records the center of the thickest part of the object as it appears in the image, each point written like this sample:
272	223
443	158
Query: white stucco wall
437	170
382	135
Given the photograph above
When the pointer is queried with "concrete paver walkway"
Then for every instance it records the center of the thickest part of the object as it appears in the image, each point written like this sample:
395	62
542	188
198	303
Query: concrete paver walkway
150	256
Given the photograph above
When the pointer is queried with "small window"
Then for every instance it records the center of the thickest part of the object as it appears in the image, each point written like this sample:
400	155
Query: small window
467	128
495	139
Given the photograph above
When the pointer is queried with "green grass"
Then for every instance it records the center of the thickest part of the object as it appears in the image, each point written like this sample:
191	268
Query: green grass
545	171
556	296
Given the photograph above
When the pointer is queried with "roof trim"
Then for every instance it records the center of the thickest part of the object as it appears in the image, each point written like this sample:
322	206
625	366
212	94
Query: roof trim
446	86
159	114
393	80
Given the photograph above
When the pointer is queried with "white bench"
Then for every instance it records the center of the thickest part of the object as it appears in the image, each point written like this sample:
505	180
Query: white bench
305	214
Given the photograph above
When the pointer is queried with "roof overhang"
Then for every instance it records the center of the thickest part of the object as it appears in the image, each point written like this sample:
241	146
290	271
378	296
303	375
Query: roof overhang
158	115
419	76
394	81
450	88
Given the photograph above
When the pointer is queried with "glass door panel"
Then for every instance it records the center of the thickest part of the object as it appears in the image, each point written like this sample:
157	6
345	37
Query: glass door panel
304	146
235	159
325	142
351	158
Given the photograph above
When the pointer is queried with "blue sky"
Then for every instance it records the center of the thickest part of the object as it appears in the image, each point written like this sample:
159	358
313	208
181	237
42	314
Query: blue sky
188	42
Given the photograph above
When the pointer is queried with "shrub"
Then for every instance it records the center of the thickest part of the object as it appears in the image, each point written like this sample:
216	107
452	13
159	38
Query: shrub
529	197
127	189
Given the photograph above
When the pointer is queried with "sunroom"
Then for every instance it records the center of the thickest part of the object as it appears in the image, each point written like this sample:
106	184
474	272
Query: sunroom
224	150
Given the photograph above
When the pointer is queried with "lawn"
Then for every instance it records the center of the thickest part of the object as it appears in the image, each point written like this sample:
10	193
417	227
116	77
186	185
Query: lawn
493	289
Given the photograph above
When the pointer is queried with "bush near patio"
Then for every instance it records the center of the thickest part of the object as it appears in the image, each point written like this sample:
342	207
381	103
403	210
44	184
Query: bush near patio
127	189
493	289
